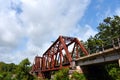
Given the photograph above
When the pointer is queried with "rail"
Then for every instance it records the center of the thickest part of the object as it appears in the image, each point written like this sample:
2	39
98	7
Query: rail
106	44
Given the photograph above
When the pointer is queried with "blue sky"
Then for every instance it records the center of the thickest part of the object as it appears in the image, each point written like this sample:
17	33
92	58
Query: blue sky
98	10
27	27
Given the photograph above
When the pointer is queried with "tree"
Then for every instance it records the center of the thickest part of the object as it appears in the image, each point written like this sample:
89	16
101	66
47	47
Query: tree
78	76
114	71
94	44
7	71
109	29
62	74
23	70
16	72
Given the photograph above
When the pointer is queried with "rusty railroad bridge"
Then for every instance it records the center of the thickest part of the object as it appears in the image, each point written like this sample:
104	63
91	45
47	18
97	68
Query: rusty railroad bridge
68	52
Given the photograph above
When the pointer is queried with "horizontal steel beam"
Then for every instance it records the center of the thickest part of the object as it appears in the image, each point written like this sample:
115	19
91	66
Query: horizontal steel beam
112	54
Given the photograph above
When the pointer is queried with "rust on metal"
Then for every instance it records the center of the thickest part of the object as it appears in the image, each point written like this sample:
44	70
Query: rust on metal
59	55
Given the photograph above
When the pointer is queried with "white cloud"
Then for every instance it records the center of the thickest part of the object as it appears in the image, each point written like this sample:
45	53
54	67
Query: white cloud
41	21
47	18
10	30
117	11
84	32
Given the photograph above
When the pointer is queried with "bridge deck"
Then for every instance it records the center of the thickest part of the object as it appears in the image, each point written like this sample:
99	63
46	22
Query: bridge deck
111	54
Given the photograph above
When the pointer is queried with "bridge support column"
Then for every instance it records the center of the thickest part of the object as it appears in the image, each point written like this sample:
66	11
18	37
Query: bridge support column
79	69
72	64
76	68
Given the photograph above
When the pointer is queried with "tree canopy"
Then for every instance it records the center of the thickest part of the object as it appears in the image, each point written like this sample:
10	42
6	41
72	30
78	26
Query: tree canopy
108	30
16	72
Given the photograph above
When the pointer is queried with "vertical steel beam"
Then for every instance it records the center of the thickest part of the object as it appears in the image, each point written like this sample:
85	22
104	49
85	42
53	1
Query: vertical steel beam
81	46
76	51
66	49
52	61
73	50
43	61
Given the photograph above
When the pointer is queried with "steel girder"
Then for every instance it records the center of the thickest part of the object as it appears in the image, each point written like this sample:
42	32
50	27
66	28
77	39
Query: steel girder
60	54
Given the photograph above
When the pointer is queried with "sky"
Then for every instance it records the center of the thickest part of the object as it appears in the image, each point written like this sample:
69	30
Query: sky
27	27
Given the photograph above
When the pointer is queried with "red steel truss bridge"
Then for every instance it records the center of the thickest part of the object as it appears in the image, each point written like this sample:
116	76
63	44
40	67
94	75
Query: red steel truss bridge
65	50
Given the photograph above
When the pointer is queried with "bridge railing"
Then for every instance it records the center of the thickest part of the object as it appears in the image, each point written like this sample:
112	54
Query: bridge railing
108	43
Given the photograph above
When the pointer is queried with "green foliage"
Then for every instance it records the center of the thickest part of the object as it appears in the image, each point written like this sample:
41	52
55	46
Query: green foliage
7	67
23	70
94	44
62	74
16	72
109	29
7	71
78	76
114	71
